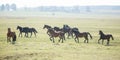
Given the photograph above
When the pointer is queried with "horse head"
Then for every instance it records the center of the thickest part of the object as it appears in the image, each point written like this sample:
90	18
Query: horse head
100	32
18	27
9	29
46	26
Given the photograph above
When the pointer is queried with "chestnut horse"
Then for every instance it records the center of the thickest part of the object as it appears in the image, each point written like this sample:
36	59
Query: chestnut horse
53	34
10	35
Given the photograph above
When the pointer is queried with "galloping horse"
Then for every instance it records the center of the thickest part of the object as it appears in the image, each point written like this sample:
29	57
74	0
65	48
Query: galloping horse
26	30
10	35
84	34
105	37
53	34
67	29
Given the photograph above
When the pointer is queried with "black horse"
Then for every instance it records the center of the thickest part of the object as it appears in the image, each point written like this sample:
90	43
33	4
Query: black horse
66	29
26	30
105	37
80	35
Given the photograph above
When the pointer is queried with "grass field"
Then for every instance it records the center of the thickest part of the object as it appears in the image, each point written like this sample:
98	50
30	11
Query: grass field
41	48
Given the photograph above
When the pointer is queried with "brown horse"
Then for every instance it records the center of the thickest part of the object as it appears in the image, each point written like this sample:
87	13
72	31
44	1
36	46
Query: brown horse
10	35
53	34
80	35
105	37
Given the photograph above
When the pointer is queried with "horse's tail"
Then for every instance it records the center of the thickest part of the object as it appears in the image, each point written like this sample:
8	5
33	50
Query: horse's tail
89	35
35	30
112	37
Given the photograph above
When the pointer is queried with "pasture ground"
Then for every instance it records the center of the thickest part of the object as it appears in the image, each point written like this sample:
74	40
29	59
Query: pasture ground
41	48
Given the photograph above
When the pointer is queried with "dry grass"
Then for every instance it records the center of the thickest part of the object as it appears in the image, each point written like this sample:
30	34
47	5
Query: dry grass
41	48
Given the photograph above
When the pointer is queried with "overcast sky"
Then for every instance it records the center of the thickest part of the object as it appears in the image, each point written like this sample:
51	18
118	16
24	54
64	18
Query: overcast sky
34	3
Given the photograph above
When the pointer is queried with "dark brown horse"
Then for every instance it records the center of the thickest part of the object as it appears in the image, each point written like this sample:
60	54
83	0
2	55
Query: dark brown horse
105	37
80	35
53	34
10	35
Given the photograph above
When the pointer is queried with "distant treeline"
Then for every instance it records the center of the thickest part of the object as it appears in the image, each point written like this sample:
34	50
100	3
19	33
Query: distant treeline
68	9
8	7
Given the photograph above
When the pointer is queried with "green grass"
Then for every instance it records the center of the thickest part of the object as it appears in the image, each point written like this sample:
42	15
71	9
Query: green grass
41	48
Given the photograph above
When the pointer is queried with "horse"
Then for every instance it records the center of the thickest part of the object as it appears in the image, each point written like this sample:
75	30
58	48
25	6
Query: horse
80	35
26	30
67	29
53	34
10	35
105	37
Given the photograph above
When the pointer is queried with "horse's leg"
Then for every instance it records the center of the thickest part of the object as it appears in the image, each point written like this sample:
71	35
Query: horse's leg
53	40
78	40
87	39
62	37
99	41
8	39
50	38
68	35
75	39
72	34
19	35
108	42
62	40
25	34
31	34
59	40
102	42
35	34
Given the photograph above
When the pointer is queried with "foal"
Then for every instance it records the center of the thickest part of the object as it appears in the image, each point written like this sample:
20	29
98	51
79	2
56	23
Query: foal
10	35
